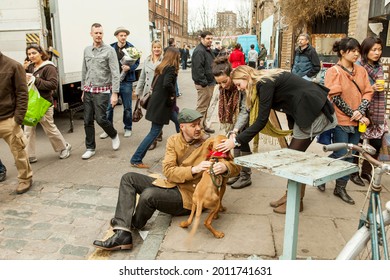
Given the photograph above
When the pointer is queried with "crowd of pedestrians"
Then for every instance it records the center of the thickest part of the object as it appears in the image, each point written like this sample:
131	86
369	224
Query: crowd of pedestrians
246	92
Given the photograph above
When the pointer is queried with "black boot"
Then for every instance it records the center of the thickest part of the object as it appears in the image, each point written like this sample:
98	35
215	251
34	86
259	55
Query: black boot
341	192
121	240
356	179
366	177
244	180
232	180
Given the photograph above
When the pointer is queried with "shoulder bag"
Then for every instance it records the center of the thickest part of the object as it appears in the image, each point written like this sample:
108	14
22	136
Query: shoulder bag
137	114
145	98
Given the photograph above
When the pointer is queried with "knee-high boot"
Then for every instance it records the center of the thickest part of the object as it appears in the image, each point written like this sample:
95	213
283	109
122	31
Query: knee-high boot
232	180
281	208
244	179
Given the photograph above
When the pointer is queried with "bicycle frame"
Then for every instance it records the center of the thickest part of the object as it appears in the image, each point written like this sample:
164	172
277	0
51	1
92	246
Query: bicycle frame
372	224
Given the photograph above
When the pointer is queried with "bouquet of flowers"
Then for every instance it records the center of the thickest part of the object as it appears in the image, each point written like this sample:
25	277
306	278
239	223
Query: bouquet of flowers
131	55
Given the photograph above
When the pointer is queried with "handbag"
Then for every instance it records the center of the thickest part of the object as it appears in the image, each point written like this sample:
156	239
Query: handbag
145	98
37	105
137	114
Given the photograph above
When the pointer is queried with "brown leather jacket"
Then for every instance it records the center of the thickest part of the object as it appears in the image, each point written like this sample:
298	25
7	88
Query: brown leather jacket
180	157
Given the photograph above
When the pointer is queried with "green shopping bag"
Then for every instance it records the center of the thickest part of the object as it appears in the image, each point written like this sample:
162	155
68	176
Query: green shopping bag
37	105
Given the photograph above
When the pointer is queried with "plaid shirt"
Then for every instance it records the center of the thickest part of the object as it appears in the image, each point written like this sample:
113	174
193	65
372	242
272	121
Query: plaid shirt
91	88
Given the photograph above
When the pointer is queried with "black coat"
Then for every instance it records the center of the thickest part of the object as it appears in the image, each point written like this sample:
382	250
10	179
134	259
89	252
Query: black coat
201	61
302	100
161	102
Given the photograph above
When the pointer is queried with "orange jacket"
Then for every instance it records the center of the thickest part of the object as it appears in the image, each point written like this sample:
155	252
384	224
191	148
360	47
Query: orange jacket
340	84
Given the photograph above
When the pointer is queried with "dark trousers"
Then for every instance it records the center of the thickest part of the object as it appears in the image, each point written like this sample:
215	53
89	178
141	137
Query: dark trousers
95	106
151	198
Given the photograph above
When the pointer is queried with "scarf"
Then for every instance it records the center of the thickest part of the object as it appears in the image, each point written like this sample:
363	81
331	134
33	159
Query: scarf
377	105
228	106
269	128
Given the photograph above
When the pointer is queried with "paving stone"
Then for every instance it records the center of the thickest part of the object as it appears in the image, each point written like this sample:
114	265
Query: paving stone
79	205
74	250
43	246
105	208
56	202
41	226
16	213
16	222
13	244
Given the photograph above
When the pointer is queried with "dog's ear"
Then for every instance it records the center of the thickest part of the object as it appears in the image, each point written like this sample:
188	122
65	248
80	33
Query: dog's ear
211	145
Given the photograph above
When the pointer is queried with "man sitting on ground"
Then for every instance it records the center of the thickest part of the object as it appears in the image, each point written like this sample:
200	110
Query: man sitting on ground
183	165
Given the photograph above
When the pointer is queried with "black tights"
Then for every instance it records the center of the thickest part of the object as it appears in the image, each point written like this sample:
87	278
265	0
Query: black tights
300	144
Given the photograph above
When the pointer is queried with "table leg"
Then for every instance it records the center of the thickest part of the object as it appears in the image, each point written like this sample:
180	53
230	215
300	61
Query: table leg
292	221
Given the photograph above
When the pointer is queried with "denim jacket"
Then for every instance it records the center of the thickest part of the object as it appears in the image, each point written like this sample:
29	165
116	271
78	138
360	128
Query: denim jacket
100	67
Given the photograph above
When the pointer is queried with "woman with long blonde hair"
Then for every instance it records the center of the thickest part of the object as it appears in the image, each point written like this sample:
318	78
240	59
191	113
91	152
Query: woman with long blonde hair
304	102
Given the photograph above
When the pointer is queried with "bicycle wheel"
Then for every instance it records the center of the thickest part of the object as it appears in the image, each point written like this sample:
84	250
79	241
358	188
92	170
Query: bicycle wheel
359	247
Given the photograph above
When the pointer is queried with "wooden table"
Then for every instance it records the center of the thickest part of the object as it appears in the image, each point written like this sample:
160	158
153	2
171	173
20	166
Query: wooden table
299	168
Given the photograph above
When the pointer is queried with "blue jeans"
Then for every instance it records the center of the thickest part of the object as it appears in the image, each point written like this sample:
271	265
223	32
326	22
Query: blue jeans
2	167
125	92
146	143
343	134
175	121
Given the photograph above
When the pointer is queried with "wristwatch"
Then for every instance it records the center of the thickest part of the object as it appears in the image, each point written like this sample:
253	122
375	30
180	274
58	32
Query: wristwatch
236	144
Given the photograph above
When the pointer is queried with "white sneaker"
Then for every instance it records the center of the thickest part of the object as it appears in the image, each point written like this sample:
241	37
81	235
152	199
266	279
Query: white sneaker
65	153
88	154
116	142
103	135
127	133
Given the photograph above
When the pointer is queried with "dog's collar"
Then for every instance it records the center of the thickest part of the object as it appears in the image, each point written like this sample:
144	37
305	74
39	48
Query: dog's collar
216	154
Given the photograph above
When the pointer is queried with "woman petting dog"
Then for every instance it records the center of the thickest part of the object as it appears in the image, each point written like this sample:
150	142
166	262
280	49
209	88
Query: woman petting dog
183	166
305	103
233	115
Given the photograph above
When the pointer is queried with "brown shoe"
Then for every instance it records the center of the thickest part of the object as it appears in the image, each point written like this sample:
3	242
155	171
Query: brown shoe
23	187
282	208
279	202
153	146
140	165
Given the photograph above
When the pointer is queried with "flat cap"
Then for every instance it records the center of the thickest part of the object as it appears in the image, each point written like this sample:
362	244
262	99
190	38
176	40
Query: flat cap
188	116
121	29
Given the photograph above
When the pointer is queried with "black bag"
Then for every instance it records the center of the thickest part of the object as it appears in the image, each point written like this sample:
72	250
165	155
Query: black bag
137	114
145	98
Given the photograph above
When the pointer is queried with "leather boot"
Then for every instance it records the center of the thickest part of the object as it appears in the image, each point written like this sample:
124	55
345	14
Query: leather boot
366	177
356	179
321	187
232	180
341	192
279	202
121	240
153	146
281	208
244	179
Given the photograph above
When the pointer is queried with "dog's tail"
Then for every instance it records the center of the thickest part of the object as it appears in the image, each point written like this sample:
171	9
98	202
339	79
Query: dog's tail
198	212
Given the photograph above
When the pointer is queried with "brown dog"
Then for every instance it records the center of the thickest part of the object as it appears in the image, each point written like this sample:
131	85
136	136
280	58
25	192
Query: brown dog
208	193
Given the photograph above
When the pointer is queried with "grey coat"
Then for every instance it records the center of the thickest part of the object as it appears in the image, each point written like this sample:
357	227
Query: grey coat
147	73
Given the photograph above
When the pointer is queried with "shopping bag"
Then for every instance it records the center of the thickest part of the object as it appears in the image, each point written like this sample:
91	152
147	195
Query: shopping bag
37	105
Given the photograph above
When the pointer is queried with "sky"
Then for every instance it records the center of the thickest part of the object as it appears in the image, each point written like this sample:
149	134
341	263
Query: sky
213	6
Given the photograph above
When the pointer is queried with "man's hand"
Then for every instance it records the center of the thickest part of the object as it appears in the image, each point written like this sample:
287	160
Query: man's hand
219	168
125	68
204	165
114	99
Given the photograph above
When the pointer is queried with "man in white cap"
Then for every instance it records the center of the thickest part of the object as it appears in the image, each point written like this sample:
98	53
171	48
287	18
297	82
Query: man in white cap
126	85
183	166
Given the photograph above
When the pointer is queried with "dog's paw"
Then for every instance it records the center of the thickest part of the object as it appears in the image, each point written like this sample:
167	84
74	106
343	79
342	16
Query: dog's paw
222	209
184	224
219	234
